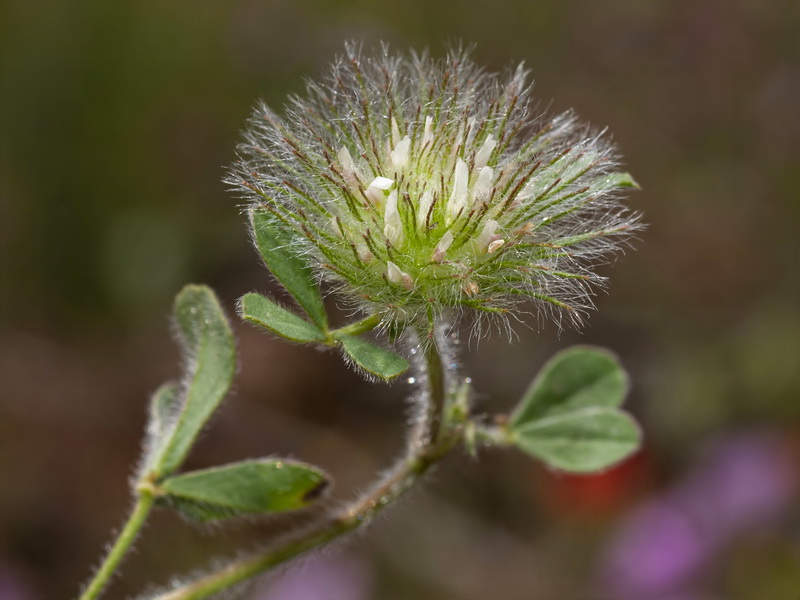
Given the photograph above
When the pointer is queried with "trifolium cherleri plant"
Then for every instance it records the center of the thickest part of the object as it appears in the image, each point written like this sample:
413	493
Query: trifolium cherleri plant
415	186
419	190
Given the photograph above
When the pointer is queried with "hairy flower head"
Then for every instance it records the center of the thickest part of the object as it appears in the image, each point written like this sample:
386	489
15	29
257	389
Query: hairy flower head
418	186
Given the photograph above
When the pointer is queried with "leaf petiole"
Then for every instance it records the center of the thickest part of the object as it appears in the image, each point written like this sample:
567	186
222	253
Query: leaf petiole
357	328
126	537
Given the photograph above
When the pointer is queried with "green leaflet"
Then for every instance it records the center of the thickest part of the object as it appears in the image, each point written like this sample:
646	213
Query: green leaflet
584	441
373	359
275	245
177	418
164	407
262	311
293	272
575	378
177	414
244	488
569	418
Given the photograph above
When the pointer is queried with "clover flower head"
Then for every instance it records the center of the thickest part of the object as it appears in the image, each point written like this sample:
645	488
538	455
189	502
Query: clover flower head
419	187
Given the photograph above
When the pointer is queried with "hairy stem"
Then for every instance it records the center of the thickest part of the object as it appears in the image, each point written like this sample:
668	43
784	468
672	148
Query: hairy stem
436	392
360	327
418	459
123	542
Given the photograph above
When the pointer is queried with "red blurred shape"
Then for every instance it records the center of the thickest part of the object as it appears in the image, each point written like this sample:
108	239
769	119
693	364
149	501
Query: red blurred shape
597	495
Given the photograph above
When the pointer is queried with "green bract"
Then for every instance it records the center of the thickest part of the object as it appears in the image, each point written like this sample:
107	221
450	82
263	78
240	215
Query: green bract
417	186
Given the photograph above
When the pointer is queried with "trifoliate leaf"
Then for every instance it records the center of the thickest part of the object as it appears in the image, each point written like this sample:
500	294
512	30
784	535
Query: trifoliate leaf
569	419
373	359
210	353
277	249
576	378
582	441
244	488
264	312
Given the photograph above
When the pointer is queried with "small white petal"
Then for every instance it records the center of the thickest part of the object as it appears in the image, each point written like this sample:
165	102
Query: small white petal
381	183
427	137
375	196
461	137
458	198
400	154
483	186
482	158
393	226
442	246
425	203
364	253
376	189
495	245
395	275
393	272
349	169
345	160
395	132
446	241
485	238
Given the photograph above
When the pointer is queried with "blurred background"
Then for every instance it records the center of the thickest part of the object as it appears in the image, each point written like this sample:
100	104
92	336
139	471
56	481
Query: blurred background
118	121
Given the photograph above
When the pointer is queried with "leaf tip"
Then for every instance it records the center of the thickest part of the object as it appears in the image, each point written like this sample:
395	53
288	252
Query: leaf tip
318	491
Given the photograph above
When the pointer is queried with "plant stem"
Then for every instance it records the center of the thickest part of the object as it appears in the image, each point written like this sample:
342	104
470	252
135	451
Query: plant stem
418	459
367	324
493	435
436	392
126	537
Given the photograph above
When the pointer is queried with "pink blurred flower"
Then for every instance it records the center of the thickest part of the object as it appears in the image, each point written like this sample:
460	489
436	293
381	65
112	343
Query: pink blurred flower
320	577
741	483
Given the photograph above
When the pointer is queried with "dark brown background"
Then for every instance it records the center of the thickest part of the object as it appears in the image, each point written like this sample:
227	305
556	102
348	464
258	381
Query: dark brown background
118	119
